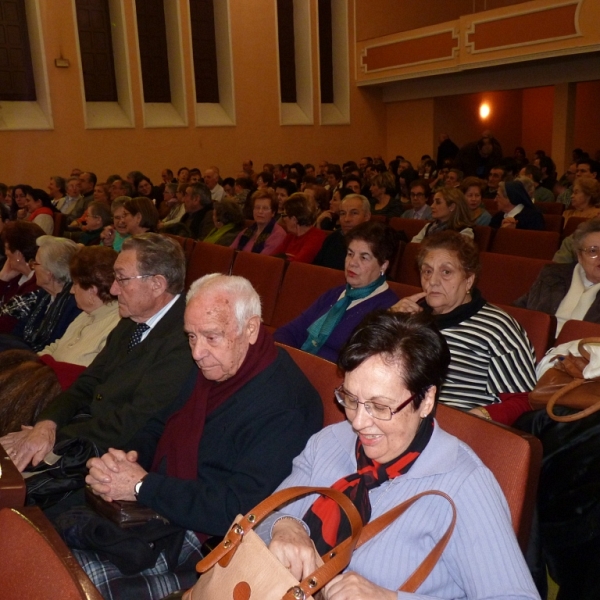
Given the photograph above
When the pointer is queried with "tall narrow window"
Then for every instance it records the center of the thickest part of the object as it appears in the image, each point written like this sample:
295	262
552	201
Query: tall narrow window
152	38
326	51
16	69
202	16
287	51
95	42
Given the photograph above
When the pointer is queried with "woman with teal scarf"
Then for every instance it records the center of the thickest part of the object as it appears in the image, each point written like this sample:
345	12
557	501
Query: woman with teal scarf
325	326
228	220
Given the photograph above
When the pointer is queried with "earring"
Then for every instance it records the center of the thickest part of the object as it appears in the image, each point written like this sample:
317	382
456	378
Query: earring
382	273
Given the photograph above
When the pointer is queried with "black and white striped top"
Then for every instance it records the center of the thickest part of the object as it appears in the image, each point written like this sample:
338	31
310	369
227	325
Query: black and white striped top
490	354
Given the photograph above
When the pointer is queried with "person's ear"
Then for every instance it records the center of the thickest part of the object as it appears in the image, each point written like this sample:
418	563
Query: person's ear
470	282
428	402
253	328
158	285
384	267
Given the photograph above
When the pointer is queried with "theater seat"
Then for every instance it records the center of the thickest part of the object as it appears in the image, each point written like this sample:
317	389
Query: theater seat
410	226
512	456
302	285
208	258
576	330
504	278
325	379
403	289
540	327
408	271
523	242
550	208
553	222
36	564
571	225
265	273
12	485
483	237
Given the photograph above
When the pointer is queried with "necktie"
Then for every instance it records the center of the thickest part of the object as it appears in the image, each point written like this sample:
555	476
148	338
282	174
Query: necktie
136	337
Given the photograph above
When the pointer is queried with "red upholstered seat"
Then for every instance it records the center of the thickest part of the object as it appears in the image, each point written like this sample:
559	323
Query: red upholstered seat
36	564
550	208
302	285
523	242
576	330
404	289
504	278
408	271
571	225
553	222
483	237
208	258
265	273
410	226
12	485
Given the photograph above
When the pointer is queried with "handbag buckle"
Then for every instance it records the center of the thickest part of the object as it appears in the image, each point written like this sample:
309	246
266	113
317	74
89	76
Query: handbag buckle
297	593
237	529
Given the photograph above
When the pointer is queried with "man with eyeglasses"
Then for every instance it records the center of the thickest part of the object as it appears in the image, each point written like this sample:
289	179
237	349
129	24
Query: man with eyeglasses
419	194
139	372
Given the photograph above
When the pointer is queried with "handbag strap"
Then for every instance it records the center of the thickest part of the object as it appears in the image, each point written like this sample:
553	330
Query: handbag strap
424	569
334	561
583	342
562	392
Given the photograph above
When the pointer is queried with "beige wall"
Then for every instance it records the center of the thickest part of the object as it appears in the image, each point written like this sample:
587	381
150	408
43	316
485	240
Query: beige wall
32	156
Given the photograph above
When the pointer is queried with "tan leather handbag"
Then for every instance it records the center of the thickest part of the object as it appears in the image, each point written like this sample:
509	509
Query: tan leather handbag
241	566
564	384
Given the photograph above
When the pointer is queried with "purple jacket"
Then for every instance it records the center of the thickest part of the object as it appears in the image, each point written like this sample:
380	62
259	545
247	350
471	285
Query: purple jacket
296	331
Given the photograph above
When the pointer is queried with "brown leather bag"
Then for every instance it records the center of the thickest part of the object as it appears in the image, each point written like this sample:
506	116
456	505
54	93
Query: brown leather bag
565	385
125	513
242	567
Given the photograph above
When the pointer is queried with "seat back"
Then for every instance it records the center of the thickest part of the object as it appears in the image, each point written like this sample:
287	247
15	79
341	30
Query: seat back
35	563
302	285
265	273
512	456
208	258
553	222
571	225
12	484
490	205
550	208
404	289
410	226
187	244
524	242
540	327
483	237
504	278
408	272
577	330
60	222
324	377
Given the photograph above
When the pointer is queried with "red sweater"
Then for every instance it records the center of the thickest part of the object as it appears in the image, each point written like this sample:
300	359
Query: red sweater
303	248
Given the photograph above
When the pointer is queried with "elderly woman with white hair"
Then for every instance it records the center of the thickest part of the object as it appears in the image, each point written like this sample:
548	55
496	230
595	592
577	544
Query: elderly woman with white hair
44	314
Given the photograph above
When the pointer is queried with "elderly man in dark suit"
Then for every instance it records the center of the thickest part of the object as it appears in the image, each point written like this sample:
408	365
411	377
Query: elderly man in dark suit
144	363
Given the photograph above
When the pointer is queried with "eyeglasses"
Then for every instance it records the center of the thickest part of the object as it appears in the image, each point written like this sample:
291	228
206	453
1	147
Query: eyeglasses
377	411
419	195
123	280
33	264
591	251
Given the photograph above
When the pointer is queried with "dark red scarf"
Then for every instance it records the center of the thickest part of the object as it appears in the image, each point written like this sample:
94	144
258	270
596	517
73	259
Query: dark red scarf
328	525
183	431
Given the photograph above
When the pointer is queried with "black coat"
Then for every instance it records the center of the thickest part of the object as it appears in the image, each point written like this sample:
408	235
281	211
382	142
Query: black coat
528	218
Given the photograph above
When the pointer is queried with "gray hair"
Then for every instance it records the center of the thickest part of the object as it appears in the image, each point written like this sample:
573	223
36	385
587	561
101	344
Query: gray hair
118	202
591	226
55	255
366	205
159	255
528	184
171	187
246	302
199	189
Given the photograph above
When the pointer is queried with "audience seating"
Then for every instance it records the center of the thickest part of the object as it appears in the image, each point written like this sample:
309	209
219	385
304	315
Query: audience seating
396	261
380	218
490	205
553	222
12	485
403	289
187	245
483	237
504	278
540	327
36	564
302	285
512	456
410	226
208	258
324	377
265	273
408	271
60	222
550	208
524	242
572	224
576	330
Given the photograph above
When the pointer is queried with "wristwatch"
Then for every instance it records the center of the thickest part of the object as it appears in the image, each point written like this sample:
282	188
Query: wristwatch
138	486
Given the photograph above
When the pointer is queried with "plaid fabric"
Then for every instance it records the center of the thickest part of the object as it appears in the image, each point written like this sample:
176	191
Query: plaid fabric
20	307
151	584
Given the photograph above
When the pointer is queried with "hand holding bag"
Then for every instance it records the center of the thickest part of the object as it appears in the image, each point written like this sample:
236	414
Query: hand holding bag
566	385
255	572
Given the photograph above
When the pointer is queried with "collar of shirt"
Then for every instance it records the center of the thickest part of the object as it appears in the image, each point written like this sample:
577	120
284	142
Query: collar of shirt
515	211
154	319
